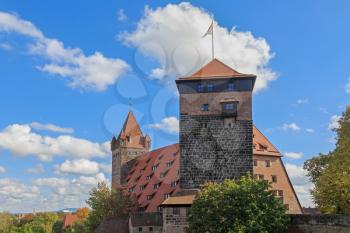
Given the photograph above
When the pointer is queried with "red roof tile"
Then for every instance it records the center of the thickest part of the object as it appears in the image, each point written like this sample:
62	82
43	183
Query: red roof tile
159	158
216	68
69	220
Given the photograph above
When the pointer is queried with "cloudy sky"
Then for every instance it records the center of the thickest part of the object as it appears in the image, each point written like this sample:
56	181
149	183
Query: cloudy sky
68	70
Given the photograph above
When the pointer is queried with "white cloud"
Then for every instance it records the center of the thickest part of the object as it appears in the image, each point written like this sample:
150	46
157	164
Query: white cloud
11	189
302	101
294	155
291	126
38	169
2	169
90	180
80	166
5	46
347	87
168	124
334	122
309	130
94	72
173	36
50	127
19	140
51	182
121	16
105	167
301	184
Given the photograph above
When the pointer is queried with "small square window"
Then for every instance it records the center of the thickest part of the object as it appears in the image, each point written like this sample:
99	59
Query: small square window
200	87
231	87
267	163
261	177
205	107
280	193
140	229
274	179
255	163
150	229
176	211
204	125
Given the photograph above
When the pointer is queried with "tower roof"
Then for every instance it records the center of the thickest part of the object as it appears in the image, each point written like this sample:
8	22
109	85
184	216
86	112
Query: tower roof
216	69
131	127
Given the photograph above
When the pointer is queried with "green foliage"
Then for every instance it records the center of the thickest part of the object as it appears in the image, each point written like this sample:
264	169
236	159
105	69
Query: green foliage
244	206
332	188
6	221
107	203
316	166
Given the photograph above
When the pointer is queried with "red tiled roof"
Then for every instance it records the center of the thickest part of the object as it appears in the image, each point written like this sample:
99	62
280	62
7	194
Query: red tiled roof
215	68
69	220
166	160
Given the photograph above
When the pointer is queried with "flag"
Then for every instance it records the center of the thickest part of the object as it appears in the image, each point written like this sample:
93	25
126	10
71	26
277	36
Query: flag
210	30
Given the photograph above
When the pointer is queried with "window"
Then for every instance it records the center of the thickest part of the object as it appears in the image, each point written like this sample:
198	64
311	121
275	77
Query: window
261	177
149	197
140	229
210	87
159	209
142	187
128	138
132	189
267	163
166	196
280	193
160	157
205	107
137	178
255	163
149	177
156	186
200	87
163	174
229	106
173	184
274	179
204	125
150	229
169	164
176	211
231	87
154	167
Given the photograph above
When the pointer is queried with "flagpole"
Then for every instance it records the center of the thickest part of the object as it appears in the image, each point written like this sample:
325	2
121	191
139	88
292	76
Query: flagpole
212	38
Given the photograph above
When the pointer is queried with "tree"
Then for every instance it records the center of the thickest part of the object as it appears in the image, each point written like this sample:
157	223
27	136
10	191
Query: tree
243	206
6	221
332	188
107	203
316	166
82	213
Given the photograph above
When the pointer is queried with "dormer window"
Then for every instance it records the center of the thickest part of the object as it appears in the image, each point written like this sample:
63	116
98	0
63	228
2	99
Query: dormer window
128	138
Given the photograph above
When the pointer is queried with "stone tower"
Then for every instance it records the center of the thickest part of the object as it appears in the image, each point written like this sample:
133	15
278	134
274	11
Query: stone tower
216	129
128	145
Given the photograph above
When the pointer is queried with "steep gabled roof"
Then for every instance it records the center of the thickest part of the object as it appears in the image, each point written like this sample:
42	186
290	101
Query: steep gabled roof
262	146
131	127
215	68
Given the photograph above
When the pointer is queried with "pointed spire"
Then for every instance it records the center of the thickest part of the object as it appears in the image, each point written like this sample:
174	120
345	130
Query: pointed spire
131	127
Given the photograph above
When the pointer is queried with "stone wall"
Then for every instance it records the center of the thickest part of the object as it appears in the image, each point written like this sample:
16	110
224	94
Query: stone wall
175	219
319	223
213	151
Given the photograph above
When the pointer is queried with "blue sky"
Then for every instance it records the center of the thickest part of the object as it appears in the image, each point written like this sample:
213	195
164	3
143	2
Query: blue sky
69	68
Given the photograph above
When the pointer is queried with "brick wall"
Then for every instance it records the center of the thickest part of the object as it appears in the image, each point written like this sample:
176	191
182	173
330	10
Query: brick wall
319	224
213	151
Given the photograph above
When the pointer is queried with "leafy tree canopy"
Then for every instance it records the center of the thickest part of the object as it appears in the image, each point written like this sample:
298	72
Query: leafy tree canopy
243	206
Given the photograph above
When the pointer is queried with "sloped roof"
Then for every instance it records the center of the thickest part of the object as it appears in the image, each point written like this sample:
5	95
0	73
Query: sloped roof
215	68
167	160
69	220
131	127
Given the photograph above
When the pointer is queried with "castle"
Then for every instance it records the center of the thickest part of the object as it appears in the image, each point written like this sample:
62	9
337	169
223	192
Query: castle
218	141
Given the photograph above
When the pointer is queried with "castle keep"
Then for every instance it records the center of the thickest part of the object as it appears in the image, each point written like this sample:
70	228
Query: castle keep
216	129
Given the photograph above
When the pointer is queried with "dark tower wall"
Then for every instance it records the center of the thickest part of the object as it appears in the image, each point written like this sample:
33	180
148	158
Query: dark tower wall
214	144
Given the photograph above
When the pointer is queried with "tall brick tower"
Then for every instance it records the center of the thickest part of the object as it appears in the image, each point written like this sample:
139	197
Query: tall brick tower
216	129
129	144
